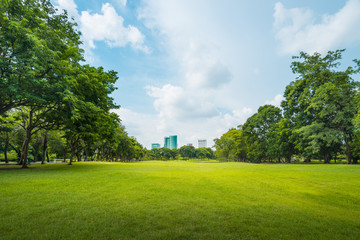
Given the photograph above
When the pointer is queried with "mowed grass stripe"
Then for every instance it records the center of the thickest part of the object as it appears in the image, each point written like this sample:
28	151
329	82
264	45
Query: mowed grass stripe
180	200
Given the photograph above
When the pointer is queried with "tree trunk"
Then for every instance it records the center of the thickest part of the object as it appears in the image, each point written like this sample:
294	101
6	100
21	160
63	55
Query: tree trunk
65	153
355	161
326	158
6	147
86	154
348	151
44	149
25	149
78	157
72	153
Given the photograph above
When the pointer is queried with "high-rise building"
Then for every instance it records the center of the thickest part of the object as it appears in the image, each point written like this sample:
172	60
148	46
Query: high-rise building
202	143
170	142
166	142
155	145
173	142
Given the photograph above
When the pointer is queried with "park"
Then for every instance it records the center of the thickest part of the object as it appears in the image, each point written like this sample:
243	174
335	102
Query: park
180	200
87	86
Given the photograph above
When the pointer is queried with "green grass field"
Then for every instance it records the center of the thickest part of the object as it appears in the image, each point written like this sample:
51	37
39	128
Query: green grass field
180	200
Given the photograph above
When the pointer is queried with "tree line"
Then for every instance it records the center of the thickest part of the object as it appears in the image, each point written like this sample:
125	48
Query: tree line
50	101
184	153
319	117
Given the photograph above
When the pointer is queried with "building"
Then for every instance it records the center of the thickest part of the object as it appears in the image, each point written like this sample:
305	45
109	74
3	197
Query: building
170	142
202	143
173	142
155	145
166	142
189	144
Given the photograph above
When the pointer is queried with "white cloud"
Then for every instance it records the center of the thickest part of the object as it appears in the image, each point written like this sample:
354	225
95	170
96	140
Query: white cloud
123	2
276	101
148	128
297	30
202	68
70	6
174	102
107	26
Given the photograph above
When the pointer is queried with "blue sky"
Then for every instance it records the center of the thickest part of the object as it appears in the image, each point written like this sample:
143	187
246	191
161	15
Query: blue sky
195	68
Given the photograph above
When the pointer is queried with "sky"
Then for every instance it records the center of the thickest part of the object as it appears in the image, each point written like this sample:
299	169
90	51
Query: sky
196	68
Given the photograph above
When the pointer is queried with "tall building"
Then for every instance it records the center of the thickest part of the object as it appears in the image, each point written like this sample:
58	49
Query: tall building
166	142
155	145
173	142
170	142
202	143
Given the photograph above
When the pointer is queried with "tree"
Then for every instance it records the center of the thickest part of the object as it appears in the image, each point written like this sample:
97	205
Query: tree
257	131
36	47
86	115
187	152
39	48
232	145
282	140
322	96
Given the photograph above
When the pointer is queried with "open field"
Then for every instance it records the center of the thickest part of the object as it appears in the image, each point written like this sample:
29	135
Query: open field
180	200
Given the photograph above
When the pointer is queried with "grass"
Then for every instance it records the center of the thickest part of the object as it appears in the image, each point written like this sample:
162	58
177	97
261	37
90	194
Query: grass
180	200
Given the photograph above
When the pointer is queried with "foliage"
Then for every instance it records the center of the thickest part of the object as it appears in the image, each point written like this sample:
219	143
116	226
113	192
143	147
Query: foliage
322	100
257	130
319	117
231	145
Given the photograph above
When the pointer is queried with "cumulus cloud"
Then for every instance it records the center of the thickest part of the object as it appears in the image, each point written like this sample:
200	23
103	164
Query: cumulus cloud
276	101
149	128
297	29
203	69
70	7
190	41
107	26
174	102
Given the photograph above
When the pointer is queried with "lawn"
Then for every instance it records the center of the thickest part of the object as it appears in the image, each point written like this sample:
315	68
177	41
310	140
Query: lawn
180	200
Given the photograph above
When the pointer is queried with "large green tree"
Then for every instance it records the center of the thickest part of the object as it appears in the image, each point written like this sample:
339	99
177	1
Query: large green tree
37	46
257	131
321	103
38	50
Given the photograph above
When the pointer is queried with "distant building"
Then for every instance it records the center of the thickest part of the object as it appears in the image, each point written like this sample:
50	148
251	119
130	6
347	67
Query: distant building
173	142
155	145
189	144
170	142
202	143
166	142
